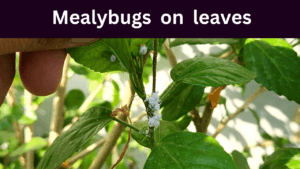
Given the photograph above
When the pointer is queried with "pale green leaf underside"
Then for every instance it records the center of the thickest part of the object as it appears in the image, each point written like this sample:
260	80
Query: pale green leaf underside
97	56
91	122
277	67
209	71
186	150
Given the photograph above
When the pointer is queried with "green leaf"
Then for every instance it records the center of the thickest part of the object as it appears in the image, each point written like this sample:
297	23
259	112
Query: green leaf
178	99
276	64
6	136
185	150
183	122
165	128
147	70
136	43
209	71
116	98
74	99
89	124
254	113
196	41
79	69
283	158
97	56
18	113
240	160
34	144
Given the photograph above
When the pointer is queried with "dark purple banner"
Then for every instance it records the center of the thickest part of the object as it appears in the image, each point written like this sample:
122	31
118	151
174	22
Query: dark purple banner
182	19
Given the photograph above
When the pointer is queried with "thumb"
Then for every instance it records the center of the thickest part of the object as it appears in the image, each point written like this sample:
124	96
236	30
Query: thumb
34	44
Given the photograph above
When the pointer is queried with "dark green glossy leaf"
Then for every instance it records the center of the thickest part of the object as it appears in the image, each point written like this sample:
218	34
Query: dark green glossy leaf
165	128
186	150
283	159
97	56
89	124
196	41
209	71
34	144
239	160
276	64
178	99
116	98
74	99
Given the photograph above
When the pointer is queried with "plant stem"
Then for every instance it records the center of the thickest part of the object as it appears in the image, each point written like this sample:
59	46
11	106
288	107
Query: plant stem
86	151
58	105
296	44
126	124
207	114
11	101
28	130
116	131
196	119
225	120
169	53
226	54
92	95
155	46
87	101
149	113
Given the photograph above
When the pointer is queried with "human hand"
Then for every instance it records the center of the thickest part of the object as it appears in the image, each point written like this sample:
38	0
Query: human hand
40	65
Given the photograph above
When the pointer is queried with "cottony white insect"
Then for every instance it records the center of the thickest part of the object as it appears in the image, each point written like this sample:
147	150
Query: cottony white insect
113	58
4	146
143	49
154	121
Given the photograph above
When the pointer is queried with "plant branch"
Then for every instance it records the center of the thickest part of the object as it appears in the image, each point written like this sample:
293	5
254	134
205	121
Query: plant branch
118	128
87	101
155	46
226	54
58	105
139	117
116	131
86	151
196	119
11	101
28	130
226	119
127	125
92	96
207	114
169	53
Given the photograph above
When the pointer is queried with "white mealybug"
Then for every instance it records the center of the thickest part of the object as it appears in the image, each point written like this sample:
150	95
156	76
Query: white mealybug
113	58
143	50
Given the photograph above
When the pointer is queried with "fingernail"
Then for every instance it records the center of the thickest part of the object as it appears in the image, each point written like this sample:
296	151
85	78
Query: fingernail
75	42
